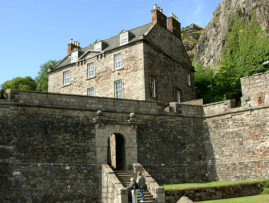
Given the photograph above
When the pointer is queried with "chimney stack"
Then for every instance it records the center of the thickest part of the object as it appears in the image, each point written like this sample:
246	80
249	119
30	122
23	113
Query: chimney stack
158	16
72	46
174	26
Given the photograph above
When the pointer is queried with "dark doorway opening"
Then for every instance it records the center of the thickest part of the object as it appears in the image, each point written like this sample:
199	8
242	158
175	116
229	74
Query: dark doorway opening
116	152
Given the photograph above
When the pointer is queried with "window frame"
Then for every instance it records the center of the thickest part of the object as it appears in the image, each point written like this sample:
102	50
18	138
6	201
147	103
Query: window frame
88	91
66	78
189	79
178	93
116	91
88	70
124	37
117	61
152	84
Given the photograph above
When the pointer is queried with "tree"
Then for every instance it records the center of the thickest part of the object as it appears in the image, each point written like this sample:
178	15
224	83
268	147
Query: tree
19	83
42	77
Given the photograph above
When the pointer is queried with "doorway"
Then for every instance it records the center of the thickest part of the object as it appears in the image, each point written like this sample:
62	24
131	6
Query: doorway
116	151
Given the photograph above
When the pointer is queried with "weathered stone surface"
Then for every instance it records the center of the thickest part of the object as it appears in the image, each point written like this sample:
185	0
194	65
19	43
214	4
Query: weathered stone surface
184	199
213	193
213	38
52	145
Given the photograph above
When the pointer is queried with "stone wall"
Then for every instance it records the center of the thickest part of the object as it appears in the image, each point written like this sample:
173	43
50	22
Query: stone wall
49	142
167	62
255	90
46	155
213	193
131	74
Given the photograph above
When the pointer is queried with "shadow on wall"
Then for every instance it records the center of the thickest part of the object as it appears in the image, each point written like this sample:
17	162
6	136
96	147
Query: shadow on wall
210	161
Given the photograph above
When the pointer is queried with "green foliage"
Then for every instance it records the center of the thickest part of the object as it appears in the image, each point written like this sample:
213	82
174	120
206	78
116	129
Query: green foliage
204	82
19	83
265	186
246	48
42	78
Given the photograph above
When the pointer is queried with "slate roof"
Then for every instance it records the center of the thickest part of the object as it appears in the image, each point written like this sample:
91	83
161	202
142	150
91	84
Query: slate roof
108	44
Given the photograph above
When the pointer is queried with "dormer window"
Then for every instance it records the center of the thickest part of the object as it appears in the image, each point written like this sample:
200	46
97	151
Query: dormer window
98	46
74	56
124	38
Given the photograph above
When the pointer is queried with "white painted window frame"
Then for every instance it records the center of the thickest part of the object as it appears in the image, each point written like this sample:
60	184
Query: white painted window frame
90	91
91	70
118	89
124	38
66	78
118	61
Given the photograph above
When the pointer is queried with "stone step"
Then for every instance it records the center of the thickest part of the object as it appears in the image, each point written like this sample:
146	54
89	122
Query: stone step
125	176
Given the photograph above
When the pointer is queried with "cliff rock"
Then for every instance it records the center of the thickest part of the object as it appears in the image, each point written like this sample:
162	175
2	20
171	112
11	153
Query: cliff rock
190	37
212	41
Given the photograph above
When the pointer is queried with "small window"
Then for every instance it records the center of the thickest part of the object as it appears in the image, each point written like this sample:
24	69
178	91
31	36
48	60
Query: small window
98	46
74	56
189	79
124	38
117	61
178	96
118	89
91	70
152	88
66	78
91	91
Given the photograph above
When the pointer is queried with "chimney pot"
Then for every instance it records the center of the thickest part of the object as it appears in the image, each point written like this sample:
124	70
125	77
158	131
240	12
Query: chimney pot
71	41
158	16
78	43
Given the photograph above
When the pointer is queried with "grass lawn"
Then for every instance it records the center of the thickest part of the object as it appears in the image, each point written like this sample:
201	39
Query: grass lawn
249	199
204	185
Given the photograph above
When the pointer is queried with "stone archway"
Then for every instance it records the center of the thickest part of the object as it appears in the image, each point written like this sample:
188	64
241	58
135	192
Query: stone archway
127	132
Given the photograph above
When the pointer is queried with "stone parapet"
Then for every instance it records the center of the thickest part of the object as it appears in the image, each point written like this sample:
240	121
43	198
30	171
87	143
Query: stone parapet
219	107
112	189
153	187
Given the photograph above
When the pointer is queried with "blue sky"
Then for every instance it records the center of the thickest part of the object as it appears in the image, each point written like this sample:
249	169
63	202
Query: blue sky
35	31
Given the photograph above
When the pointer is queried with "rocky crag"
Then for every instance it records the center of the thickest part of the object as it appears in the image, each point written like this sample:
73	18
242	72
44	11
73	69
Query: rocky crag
212	40
190	37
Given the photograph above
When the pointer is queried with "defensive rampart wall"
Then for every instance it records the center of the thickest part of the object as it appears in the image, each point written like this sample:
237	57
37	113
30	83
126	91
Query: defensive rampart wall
48	142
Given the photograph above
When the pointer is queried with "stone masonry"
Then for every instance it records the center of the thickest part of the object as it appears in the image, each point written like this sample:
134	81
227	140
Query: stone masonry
154	50
49	142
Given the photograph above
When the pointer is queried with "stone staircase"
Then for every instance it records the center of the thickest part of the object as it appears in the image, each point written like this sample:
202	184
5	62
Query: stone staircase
124	177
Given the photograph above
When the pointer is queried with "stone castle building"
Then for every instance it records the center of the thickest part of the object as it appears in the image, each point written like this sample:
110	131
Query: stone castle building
146	63
61	147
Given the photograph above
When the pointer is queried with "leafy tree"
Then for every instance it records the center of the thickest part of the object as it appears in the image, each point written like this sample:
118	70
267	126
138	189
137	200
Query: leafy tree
204	82
246	48
19	83
42	78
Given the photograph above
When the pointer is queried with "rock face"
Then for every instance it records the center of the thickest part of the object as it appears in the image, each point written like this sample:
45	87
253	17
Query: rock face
213	37
190	37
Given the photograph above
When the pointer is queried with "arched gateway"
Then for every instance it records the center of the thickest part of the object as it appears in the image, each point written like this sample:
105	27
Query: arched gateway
116	142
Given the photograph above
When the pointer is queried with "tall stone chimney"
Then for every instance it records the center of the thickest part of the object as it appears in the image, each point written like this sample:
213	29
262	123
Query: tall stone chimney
72	46
174	26
158	16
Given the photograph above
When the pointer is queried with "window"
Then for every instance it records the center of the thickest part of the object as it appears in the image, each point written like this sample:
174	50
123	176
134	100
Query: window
117	61
91	91
98	46
66	77
178	96
152	88
124	38
118	89
74	56
189	79
91	70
